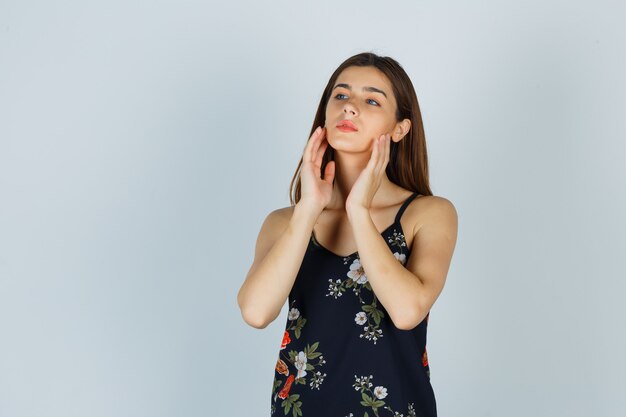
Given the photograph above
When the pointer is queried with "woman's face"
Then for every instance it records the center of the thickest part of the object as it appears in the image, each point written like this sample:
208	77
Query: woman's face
364	96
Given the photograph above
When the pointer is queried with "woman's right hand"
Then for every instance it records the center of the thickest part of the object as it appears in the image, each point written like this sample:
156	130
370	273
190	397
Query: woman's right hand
316	192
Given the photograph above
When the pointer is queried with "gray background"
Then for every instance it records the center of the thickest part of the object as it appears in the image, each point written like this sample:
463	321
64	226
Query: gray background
142	143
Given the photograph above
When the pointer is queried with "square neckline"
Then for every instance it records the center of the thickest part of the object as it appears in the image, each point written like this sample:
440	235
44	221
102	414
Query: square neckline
396	222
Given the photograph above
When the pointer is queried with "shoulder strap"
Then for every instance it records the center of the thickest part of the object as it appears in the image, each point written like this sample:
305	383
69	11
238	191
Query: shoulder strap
405	205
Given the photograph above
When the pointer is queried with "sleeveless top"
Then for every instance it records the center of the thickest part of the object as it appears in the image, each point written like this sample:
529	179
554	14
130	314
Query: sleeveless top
341	355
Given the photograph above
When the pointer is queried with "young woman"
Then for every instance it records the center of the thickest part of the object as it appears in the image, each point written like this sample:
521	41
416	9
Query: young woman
361	255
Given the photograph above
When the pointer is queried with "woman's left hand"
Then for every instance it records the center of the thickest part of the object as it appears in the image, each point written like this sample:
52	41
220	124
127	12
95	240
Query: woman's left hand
368	182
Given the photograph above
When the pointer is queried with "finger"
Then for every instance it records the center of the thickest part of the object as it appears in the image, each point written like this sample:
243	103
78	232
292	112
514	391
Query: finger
384	147
372	163
383	150
309	150
379	154
307	147
329	172
388	151
320	152
319	139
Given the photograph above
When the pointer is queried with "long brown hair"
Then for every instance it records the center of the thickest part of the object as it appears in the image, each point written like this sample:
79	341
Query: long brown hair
408	160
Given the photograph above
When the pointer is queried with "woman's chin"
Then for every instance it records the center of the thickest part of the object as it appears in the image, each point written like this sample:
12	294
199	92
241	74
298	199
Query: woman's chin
342	139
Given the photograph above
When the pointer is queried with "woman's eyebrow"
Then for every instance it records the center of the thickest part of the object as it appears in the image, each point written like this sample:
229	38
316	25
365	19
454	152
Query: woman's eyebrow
372	89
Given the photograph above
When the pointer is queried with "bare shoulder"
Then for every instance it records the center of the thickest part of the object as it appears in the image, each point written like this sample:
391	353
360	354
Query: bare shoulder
274	225
432	247
272	228
434	211
277	221
282	216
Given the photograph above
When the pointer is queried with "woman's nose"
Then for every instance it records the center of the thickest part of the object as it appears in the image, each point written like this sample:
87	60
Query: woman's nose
349	108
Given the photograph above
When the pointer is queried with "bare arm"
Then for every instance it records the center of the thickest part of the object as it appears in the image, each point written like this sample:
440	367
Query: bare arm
409	292
282	242
279	252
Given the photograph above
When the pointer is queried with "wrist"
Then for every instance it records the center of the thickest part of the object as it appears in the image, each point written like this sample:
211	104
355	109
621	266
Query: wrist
355	213
307	208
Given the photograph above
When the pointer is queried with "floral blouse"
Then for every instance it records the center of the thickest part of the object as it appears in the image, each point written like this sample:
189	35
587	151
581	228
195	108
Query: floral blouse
341	355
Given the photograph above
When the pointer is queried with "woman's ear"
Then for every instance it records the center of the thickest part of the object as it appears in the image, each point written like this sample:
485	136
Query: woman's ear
402	128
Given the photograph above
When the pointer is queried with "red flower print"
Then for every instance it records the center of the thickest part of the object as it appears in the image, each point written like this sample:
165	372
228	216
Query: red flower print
286	340
425	358
285	391
281	367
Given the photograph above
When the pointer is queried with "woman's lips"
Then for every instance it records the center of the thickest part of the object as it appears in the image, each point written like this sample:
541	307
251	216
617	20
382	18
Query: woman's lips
346	125
345	129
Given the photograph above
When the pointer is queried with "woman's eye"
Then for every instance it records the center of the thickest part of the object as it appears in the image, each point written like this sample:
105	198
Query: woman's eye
369	99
